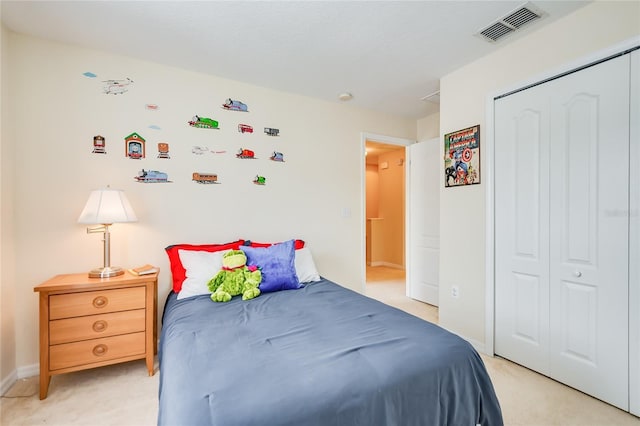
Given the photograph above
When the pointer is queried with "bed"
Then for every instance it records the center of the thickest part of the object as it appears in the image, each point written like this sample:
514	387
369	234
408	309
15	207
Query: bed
317	355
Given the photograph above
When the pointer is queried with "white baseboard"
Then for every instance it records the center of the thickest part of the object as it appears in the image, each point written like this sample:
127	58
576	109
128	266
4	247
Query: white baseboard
8	381
15	375
478	346
28	371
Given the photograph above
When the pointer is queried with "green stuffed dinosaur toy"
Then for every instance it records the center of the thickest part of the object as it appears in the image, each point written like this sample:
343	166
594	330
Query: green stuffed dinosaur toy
235	278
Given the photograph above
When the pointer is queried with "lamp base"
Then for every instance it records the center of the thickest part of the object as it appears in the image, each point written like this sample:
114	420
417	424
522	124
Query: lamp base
106	272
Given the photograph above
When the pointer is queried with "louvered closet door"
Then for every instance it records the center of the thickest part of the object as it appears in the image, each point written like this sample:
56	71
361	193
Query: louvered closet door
561	229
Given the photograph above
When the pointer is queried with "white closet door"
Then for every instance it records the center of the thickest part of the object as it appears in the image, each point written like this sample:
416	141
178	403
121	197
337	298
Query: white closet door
522	228
562	229
589	230
634	242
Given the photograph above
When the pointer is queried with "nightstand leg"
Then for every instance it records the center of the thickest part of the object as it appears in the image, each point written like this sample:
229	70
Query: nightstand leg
150	365
45	379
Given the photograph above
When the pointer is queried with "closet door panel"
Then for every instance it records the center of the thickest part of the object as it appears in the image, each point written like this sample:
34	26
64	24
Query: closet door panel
522	228
634	238
589	188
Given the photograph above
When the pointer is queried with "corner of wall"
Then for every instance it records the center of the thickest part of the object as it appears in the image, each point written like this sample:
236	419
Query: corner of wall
428	127
7	268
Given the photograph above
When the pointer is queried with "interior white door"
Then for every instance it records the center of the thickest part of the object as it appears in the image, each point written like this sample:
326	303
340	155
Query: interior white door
561	229
522	228
423	275
589	231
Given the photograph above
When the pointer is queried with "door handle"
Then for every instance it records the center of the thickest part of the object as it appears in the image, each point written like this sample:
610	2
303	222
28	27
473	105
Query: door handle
577	274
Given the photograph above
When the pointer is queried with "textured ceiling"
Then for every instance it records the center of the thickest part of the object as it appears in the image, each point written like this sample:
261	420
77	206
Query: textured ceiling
387	54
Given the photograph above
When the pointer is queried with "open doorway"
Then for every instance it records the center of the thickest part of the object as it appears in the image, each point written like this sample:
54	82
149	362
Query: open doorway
396	273
385	218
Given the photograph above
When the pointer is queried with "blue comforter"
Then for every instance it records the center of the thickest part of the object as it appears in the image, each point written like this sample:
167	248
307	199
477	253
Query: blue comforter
320	355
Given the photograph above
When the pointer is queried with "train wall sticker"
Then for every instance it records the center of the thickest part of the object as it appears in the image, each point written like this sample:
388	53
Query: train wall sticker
246	154
203	123
260	180
277	156
163	150
99	145
116	87
232	105
205	178
152	176
270	131
134	146
245	128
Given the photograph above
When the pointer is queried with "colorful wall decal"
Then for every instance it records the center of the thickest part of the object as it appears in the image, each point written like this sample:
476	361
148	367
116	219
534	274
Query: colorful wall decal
205	178
232	105
163	150
277	156
152	176
116	87
154	127
270	131
246	154
260	180
89	74
203	122
99	145
134	146
152	107
245	128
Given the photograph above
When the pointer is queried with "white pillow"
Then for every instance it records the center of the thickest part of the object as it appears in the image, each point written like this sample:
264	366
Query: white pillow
200	266
305	267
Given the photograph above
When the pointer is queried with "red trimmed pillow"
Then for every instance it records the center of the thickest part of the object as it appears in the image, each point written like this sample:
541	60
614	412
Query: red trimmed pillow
297	245
178	272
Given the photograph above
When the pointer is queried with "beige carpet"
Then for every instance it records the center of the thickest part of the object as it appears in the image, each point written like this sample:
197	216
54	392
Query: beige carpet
124	395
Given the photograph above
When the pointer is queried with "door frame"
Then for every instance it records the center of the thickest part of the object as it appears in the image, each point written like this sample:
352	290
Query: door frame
390	140
585	61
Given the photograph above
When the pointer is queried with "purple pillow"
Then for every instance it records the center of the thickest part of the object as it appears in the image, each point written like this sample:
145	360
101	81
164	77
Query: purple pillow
277	264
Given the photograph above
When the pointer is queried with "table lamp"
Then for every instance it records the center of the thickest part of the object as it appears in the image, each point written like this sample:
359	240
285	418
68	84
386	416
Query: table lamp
104	208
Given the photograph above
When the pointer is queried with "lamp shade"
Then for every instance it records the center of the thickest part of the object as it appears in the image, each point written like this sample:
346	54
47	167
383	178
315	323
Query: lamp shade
107	206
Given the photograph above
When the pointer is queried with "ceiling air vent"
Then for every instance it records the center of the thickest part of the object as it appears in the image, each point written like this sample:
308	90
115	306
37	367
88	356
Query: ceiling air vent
495	31
511	22
521	17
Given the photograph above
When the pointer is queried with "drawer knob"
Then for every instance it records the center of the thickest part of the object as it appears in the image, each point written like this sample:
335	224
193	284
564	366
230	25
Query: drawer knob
100	302
99	326
100	350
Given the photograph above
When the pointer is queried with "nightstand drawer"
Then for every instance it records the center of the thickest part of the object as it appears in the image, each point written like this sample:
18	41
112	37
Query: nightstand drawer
96	326
96	350
96	302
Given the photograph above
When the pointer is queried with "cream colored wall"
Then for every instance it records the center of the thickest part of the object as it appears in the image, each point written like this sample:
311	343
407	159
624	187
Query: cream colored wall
314	195
7	270
429	127
464	95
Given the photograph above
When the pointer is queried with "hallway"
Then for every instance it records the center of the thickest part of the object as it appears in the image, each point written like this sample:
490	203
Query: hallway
388	285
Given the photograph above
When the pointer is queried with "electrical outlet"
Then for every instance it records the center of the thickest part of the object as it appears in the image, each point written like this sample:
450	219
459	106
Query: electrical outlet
455	292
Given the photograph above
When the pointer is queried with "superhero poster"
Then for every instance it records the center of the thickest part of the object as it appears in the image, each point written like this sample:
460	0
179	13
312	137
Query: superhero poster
462	157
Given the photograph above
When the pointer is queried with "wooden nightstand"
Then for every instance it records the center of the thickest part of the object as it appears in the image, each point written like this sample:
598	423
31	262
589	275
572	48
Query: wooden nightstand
92	322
